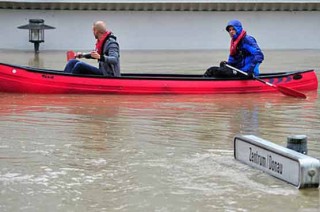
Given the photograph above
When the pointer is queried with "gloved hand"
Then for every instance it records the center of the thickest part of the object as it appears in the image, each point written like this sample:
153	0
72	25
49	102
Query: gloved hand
250	75
250	71
223	63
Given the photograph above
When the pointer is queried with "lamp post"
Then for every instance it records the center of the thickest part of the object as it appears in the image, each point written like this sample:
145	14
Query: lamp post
36	29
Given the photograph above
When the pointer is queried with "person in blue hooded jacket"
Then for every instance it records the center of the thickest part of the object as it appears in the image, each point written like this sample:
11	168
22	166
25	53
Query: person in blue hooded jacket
245	54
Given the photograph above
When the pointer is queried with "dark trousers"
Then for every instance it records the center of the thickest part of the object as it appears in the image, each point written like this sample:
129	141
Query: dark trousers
78	67
222	72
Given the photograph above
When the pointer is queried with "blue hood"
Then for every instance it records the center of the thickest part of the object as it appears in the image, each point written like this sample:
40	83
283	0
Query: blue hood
237	26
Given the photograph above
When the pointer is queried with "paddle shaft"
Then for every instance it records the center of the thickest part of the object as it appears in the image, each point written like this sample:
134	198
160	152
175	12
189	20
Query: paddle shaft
73	55
284	90
245	73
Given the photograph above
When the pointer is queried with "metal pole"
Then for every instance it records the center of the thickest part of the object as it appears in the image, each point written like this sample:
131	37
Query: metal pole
298	143
36	47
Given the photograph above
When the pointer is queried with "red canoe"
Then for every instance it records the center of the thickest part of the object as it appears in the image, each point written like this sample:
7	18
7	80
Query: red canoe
21	79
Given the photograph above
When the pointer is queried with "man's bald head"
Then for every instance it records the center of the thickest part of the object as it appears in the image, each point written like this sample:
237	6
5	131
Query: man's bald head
100	26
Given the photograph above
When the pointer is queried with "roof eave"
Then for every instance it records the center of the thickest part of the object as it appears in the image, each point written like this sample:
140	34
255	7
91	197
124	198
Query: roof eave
166	6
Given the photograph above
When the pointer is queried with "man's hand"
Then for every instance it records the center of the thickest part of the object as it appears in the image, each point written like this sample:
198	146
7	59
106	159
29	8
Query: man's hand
95	55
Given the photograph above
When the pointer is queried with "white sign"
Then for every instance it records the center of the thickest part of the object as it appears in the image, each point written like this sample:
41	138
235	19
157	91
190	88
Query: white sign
288	165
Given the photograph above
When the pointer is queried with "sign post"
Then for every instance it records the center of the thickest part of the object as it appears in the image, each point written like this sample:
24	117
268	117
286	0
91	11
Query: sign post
293	167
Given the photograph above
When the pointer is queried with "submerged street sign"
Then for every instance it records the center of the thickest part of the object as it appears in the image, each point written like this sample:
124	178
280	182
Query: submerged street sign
293	167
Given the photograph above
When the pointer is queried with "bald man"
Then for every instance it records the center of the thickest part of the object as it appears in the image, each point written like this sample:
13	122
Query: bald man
106	53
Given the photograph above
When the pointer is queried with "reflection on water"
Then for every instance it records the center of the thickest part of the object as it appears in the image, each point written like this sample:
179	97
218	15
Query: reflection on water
147	153
36	61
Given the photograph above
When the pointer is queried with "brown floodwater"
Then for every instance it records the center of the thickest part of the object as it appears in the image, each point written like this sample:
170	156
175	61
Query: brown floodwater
150	152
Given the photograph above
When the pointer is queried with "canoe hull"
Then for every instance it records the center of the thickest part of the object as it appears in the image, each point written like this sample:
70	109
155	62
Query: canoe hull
19	79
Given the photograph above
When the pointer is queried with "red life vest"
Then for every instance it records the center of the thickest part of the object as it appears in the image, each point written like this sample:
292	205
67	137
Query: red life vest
234	43
100	42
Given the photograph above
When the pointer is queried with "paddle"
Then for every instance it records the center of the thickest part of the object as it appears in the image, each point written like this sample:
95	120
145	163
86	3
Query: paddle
73	55
284	90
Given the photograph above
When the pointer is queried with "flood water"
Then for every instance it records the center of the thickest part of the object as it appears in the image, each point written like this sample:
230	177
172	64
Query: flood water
150	152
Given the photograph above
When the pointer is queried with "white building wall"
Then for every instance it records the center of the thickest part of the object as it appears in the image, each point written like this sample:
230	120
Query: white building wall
142	30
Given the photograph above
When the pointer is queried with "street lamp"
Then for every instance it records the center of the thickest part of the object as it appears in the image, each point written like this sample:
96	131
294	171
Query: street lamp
36	29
